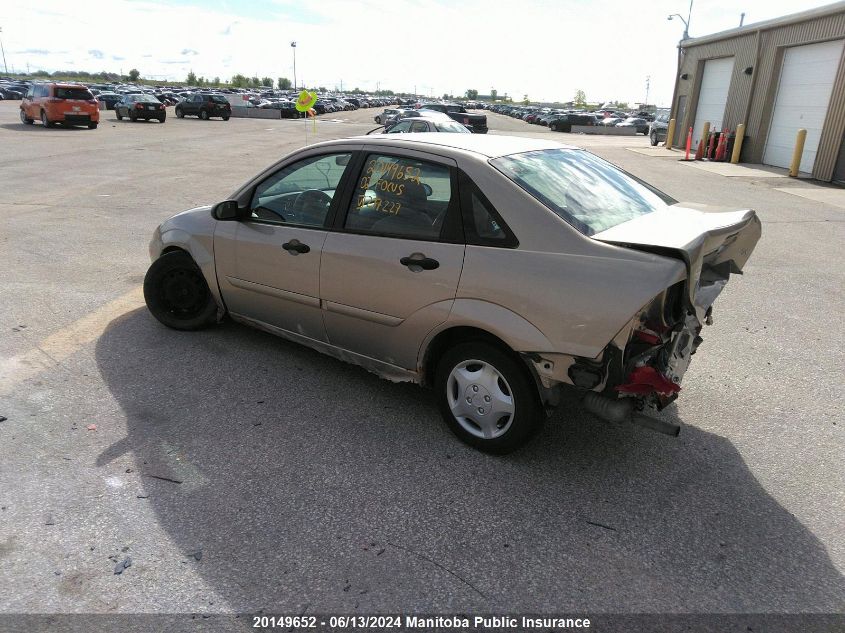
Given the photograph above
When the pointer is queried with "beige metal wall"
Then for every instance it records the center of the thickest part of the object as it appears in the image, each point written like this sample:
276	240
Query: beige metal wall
751	97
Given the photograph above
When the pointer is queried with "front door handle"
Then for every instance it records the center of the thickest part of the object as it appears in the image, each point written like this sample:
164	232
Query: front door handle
426	263
295	247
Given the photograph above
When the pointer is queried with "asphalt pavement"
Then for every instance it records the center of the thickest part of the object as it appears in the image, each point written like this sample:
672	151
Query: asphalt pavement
240	472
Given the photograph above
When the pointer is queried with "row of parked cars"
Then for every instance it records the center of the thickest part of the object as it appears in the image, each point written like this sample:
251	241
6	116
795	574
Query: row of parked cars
474	122
562	120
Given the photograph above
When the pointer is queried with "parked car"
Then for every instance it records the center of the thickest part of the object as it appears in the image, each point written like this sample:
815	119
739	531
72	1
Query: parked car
641	124
204	106
287	109
381	118
109	99
70	104
477	122
658	129
12	94
136	107
442	259
564	122
427	124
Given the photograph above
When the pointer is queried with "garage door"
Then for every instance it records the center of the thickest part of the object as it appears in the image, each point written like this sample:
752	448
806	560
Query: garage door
806	82
715	83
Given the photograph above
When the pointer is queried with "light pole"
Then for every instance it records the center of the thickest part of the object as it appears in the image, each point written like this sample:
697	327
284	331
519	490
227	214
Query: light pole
4	53
293	46
686	22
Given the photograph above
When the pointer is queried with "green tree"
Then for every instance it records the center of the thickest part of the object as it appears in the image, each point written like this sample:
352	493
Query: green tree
255	82
472	94
267	82
192	79
580	99
134	74
201	81
284	83
525	100
493	94
239	81
217	81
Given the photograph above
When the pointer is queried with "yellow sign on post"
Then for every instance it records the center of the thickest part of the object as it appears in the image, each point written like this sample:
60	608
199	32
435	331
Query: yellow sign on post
306	101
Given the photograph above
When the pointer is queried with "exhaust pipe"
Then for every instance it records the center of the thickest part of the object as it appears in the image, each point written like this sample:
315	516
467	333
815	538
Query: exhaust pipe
621	411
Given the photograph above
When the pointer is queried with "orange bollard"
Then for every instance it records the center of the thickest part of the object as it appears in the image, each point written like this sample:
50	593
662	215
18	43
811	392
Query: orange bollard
699	153
722	150
710	142
689	143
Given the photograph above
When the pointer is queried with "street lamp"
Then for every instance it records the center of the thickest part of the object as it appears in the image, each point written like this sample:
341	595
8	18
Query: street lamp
4	53
293	46
686	22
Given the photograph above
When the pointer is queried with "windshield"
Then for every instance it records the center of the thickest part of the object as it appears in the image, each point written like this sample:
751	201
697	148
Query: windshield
590	194
451	126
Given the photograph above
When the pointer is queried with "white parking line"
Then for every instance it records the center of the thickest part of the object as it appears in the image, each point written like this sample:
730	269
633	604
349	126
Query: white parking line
50	352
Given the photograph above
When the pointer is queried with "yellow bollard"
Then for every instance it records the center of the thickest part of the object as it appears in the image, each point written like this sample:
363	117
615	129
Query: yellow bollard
670	133
705	134
740	134
796	154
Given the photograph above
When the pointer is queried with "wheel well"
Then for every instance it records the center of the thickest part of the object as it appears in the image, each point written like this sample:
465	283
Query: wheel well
173	249
450	338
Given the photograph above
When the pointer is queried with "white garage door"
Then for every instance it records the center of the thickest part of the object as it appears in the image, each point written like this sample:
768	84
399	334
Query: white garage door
715	83
806	82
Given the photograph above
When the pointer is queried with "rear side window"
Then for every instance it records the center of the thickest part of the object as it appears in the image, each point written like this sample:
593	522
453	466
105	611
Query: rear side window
218	99
400	197
81	94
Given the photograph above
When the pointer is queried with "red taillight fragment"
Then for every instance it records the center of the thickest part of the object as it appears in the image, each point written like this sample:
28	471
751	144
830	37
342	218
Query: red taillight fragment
648	337
644	381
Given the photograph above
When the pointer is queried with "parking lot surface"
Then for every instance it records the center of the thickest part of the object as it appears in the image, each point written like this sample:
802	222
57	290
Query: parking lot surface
241	472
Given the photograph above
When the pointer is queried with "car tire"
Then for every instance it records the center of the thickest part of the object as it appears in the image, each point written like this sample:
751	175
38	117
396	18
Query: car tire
225	117
653	138
92	125
204	115
25	119
473	375
132	116
553	127
177	294
162	119
44	120
118	115
179	113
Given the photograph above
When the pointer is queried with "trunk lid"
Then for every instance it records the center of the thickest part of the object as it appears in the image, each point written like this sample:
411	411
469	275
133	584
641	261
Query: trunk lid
712	241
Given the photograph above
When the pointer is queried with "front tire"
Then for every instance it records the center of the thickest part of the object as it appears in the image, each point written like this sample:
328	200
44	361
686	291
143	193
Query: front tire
487	397
179	113
25	119
44	120
119	115
204	115
176	293
225	117
132	116
653	138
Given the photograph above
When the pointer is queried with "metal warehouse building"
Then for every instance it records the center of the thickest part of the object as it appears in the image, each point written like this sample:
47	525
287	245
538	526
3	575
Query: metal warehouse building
776	77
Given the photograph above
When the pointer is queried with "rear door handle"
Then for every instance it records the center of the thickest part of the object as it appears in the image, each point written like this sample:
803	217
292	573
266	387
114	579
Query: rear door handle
295	247
426	263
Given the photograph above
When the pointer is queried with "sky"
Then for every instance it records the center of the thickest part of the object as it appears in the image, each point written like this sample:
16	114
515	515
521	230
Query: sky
545	49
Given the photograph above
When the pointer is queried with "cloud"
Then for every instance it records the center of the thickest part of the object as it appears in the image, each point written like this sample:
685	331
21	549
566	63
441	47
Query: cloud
228	29
117	58
188	51
172	61
96	54
39	51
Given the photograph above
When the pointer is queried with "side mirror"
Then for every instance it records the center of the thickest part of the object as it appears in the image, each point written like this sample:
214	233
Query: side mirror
343	159
226	211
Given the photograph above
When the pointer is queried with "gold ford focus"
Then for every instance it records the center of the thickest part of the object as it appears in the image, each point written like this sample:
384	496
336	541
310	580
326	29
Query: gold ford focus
493	269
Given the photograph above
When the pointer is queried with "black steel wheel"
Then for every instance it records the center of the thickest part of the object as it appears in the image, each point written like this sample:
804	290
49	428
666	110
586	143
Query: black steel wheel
177	294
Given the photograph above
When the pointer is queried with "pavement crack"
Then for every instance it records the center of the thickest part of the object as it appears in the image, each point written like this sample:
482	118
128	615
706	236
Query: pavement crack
439	566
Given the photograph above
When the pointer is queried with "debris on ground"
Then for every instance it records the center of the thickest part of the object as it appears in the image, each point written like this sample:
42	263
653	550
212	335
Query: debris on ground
126	562
170	479
3	418
196	555
91	427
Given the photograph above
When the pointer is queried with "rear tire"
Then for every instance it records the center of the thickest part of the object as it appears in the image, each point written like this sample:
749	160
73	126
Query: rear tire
487	397
176	293
119	115
162	119
225	117
132	116
179	113
92	126
44	120
204	115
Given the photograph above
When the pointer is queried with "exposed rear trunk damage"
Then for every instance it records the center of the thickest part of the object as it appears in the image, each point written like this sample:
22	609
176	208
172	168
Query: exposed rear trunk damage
649	358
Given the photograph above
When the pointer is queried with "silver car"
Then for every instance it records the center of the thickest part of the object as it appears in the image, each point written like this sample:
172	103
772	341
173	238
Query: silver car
494	269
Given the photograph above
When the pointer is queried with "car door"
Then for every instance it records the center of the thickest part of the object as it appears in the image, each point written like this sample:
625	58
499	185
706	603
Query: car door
391	267
268	263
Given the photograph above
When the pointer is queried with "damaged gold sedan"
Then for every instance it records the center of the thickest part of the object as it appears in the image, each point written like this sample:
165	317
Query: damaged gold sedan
494	269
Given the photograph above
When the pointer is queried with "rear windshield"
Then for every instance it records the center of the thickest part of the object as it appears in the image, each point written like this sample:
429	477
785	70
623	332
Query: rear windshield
451	126
218	98
74	93
146	99
590	194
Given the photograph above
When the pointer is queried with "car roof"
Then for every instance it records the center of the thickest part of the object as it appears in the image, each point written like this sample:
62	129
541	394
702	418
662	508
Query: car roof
489	145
